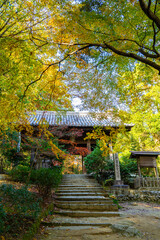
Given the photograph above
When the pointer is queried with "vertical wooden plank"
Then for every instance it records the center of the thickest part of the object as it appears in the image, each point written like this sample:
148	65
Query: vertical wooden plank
142	182
139	168
158	182
89	145
156	171
154	182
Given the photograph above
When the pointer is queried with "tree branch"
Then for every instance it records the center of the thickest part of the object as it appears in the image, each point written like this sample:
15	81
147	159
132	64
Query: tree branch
154	38
146	54
52	64
3	3
5	24
122	53
134	56
104	46
149	13
149	4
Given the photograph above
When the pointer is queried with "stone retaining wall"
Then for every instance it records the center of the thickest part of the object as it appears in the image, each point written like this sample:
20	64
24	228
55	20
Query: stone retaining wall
137	195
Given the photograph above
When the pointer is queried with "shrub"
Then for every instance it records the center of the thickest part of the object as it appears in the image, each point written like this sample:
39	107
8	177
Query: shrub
46	178
128	167
17	207
103	168
19	173
95	162
2	218
23	202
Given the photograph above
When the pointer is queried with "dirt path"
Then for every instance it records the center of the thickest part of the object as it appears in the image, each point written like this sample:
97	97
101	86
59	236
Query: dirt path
144	217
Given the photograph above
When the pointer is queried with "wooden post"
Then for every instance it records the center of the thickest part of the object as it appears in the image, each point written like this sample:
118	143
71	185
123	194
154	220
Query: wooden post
84	171
89	145
139	169
33	153
89	151
72	138
156	172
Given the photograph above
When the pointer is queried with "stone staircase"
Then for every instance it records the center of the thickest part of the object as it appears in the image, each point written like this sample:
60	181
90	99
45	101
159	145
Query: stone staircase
85	212
80	196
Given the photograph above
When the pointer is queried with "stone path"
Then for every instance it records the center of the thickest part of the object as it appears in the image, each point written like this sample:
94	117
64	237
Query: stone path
84	212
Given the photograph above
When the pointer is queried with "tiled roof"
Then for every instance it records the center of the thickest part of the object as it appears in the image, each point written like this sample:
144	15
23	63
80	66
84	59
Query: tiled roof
77	119
144	153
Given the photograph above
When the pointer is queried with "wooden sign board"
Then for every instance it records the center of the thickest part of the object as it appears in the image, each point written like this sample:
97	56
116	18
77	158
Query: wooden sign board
147	161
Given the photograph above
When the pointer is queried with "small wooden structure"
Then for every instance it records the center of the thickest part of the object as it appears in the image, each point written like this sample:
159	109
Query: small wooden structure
146	159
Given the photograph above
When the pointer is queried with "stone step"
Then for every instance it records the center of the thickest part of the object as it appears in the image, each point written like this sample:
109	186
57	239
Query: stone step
81	188
80	185
81	194
67	224
82	191
88	220
75	176
79	198
84	206
79	179
88	202
77	182
86	213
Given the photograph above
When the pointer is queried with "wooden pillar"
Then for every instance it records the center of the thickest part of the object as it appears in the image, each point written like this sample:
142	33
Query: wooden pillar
156	172
72	138
139	169
89	151
83	167
89	145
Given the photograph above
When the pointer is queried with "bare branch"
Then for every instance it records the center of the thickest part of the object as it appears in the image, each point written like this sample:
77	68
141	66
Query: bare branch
149	4
52	64
134	56
5	24
149	13
104	46
3	3
146	54
91	30
1	35
155	8
154	37
125	39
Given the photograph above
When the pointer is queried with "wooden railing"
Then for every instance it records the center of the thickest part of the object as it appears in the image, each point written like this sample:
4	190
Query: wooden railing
147	182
